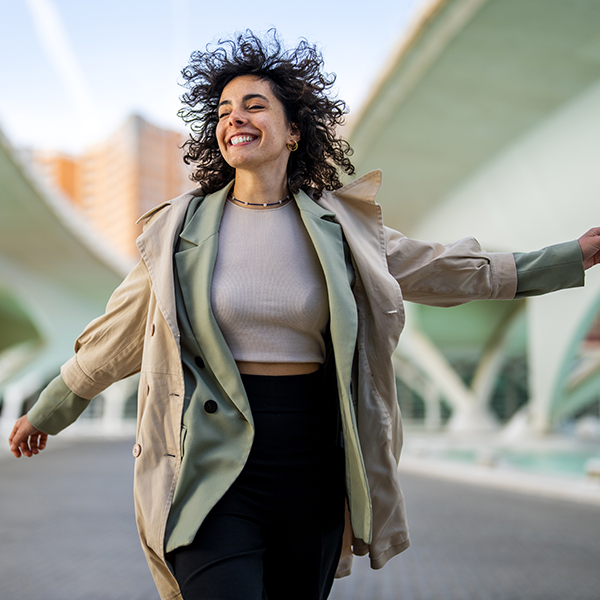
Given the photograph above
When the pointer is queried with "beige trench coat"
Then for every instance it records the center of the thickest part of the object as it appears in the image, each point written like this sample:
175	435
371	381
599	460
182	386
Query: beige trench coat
139	333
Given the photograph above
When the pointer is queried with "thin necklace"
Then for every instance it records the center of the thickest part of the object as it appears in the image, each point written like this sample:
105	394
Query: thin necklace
265	204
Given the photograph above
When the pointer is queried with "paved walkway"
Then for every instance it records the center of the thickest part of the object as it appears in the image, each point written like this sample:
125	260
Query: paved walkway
67	526
67	533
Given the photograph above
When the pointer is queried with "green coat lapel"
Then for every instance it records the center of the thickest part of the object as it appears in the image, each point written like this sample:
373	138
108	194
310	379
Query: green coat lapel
195	262
326	235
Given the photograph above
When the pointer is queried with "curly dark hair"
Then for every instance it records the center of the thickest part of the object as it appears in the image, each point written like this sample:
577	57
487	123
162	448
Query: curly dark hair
296	81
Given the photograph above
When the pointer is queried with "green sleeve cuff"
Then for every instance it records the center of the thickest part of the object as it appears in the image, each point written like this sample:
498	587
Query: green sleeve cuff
553	268
56	408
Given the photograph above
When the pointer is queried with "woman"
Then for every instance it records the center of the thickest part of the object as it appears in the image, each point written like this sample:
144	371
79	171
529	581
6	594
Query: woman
262	318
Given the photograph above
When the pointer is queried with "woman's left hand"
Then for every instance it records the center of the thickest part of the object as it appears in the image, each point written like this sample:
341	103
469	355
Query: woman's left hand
590	247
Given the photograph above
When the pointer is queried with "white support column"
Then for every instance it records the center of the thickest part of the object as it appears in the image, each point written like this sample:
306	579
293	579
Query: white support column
433	406
115	398
14	396
467	413
494	357
427	390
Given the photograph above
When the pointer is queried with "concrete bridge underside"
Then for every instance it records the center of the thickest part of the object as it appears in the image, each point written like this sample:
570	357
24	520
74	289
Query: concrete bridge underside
486	122
55	276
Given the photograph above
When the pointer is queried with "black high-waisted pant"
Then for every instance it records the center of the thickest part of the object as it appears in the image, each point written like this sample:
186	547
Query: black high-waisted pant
277	532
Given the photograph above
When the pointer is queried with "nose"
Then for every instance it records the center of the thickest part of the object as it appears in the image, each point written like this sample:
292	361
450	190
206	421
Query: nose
236	117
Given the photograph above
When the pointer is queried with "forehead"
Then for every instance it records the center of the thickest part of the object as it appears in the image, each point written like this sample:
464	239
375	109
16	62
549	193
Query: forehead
246	84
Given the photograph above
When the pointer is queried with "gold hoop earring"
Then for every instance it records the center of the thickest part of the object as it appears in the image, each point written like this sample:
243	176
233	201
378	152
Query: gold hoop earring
292	146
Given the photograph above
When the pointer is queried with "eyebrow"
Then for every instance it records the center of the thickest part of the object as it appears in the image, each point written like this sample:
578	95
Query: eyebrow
246	98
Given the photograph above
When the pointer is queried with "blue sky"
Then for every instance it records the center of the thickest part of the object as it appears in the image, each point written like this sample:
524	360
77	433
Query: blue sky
72	70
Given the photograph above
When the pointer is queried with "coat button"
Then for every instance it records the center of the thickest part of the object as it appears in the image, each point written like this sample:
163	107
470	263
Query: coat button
137	450
199	362
152	329
210	406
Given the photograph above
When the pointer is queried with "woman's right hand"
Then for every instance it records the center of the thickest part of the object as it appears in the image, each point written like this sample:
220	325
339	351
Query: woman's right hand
26	439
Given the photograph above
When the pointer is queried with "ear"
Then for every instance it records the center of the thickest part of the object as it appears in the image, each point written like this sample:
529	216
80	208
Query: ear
295	132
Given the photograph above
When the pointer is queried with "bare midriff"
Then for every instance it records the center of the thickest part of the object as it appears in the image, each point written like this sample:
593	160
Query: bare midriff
259	368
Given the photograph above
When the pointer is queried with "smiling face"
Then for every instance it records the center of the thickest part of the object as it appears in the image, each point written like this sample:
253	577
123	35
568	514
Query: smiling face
253	130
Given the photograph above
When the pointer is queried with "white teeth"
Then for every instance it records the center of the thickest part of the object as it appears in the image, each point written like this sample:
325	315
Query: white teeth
240	139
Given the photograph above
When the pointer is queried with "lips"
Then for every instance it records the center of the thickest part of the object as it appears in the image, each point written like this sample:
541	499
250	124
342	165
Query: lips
241	139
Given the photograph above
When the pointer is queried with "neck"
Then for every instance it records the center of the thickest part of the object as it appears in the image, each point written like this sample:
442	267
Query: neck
249	187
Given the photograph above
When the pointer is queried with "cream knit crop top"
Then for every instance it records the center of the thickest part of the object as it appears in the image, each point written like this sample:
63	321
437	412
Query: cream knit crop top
269	295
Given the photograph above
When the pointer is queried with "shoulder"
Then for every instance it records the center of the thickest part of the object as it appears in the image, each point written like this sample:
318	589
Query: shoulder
354	205
363	189
178	204
354	200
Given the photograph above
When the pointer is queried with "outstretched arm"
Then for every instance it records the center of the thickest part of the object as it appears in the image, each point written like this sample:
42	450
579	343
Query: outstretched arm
26	439
590	247
108	350
440	275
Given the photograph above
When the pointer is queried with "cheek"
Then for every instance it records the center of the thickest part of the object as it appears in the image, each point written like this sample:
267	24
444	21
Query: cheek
219	134
220	142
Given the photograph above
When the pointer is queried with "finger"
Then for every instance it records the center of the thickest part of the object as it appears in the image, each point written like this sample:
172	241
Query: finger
43	441
37	442
15	440
13	433
25	448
